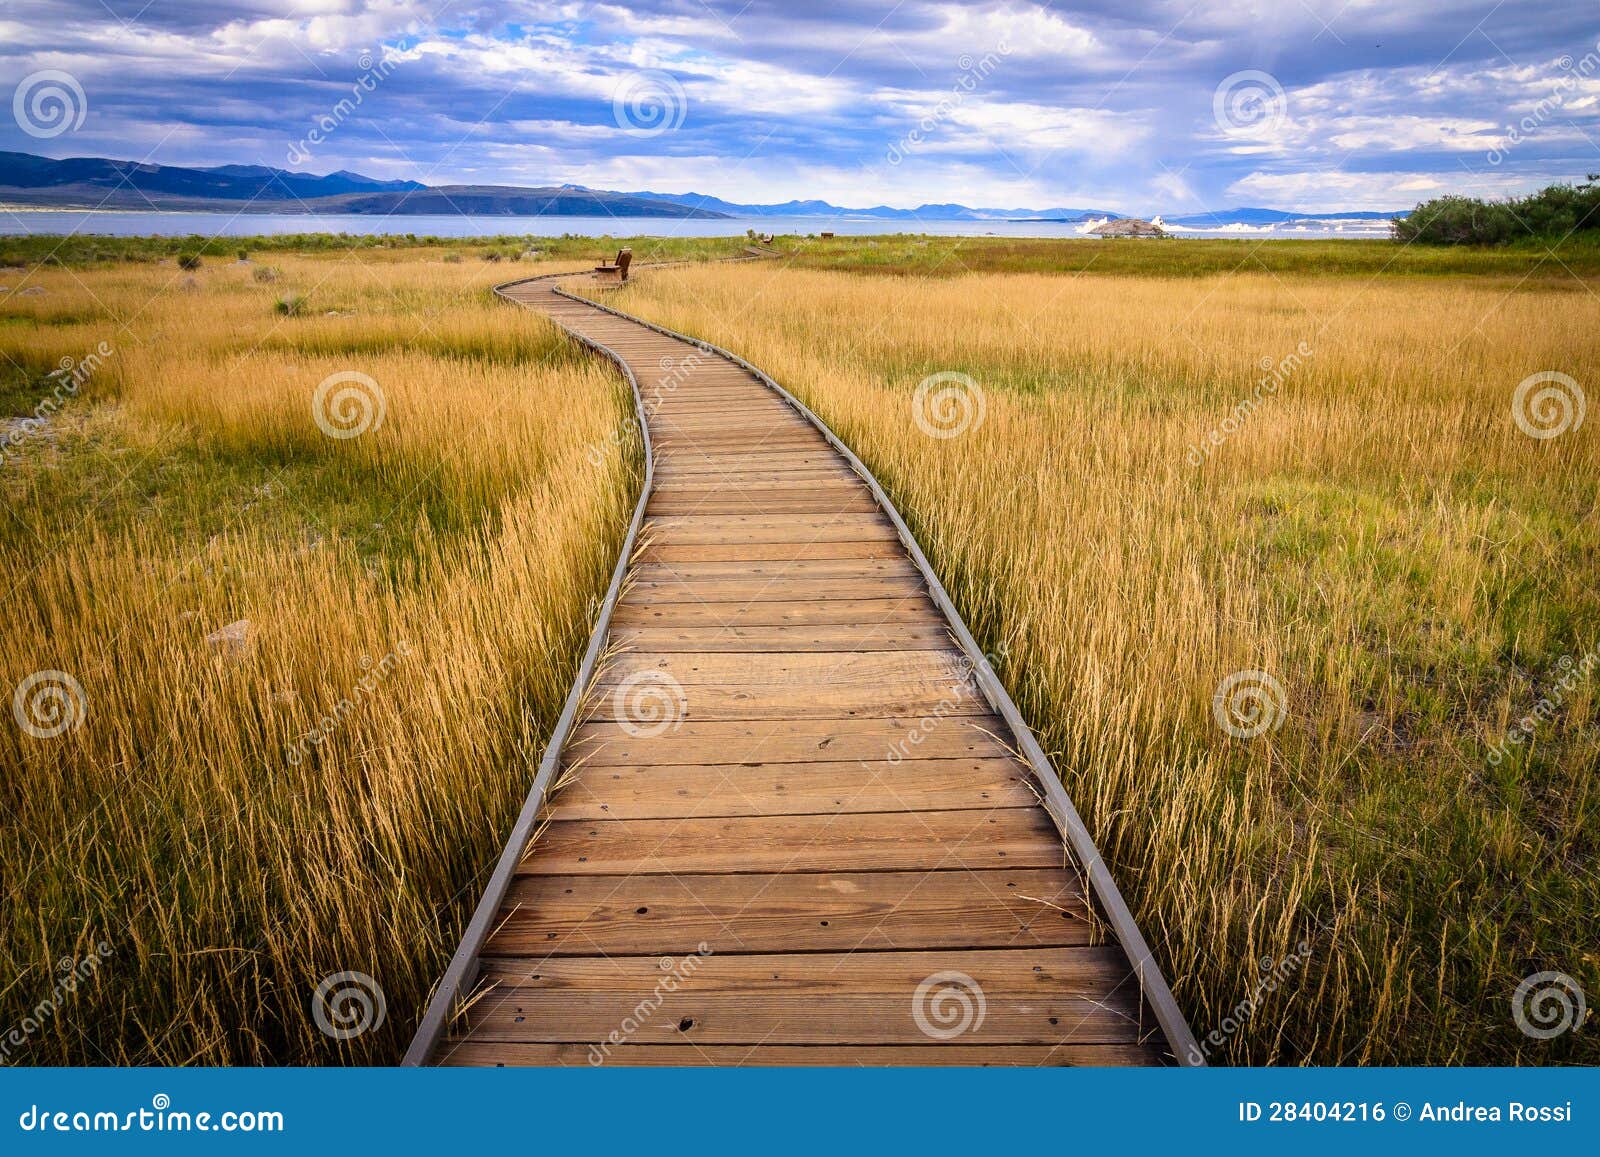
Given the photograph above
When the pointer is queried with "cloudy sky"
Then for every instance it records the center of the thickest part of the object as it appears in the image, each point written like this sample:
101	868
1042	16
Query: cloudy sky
1133	105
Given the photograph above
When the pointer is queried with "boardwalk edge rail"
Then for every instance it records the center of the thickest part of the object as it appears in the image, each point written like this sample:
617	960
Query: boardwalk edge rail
1058	803
463	968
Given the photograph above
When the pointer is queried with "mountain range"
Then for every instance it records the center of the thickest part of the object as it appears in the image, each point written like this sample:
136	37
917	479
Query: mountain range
96	182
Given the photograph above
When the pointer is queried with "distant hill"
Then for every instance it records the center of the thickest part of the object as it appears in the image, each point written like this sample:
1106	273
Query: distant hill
98	182
95	182
94	177
509	201
943	212
1220	217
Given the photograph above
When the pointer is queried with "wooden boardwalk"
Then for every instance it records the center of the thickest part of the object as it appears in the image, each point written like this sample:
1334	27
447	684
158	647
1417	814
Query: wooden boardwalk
791	826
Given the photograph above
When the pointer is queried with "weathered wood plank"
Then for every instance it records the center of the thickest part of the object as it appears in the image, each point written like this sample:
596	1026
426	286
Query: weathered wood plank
894	637
600	1052
745	669
762	1018
1005	837
547	915
663	791
602	741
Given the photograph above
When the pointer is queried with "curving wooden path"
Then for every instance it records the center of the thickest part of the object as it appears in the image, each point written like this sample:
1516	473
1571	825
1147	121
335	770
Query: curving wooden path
792	824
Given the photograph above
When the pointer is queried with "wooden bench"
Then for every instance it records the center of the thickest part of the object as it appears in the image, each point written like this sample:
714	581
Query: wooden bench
614	272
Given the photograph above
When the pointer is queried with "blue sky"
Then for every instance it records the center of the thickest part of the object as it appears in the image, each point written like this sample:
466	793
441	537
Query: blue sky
1135	105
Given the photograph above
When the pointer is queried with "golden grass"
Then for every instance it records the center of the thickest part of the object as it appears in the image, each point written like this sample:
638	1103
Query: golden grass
1376	533
236	826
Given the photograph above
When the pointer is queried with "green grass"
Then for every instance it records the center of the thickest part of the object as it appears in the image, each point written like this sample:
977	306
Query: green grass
81	250
1181	257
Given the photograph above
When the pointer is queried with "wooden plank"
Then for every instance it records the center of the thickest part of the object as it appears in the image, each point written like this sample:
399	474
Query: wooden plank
1005	837
746	669
724	487
1029	970
916	608
661	791
604	742
656	550
500	1054
550	916
719	529
752	459
772	590
732	502
799	569
763	1018
703	702
894	637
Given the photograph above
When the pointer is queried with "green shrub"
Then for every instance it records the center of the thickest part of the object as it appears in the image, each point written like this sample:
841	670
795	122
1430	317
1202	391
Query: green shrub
1551	214
292	305
190	261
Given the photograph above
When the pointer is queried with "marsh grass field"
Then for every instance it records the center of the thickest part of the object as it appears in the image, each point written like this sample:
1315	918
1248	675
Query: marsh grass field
1375	532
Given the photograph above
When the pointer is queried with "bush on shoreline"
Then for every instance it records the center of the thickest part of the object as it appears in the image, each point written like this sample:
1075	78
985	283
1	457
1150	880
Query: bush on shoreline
1553	213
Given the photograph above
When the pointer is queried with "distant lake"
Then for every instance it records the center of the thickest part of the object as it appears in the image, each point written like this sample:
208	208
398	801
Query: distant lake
145	224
